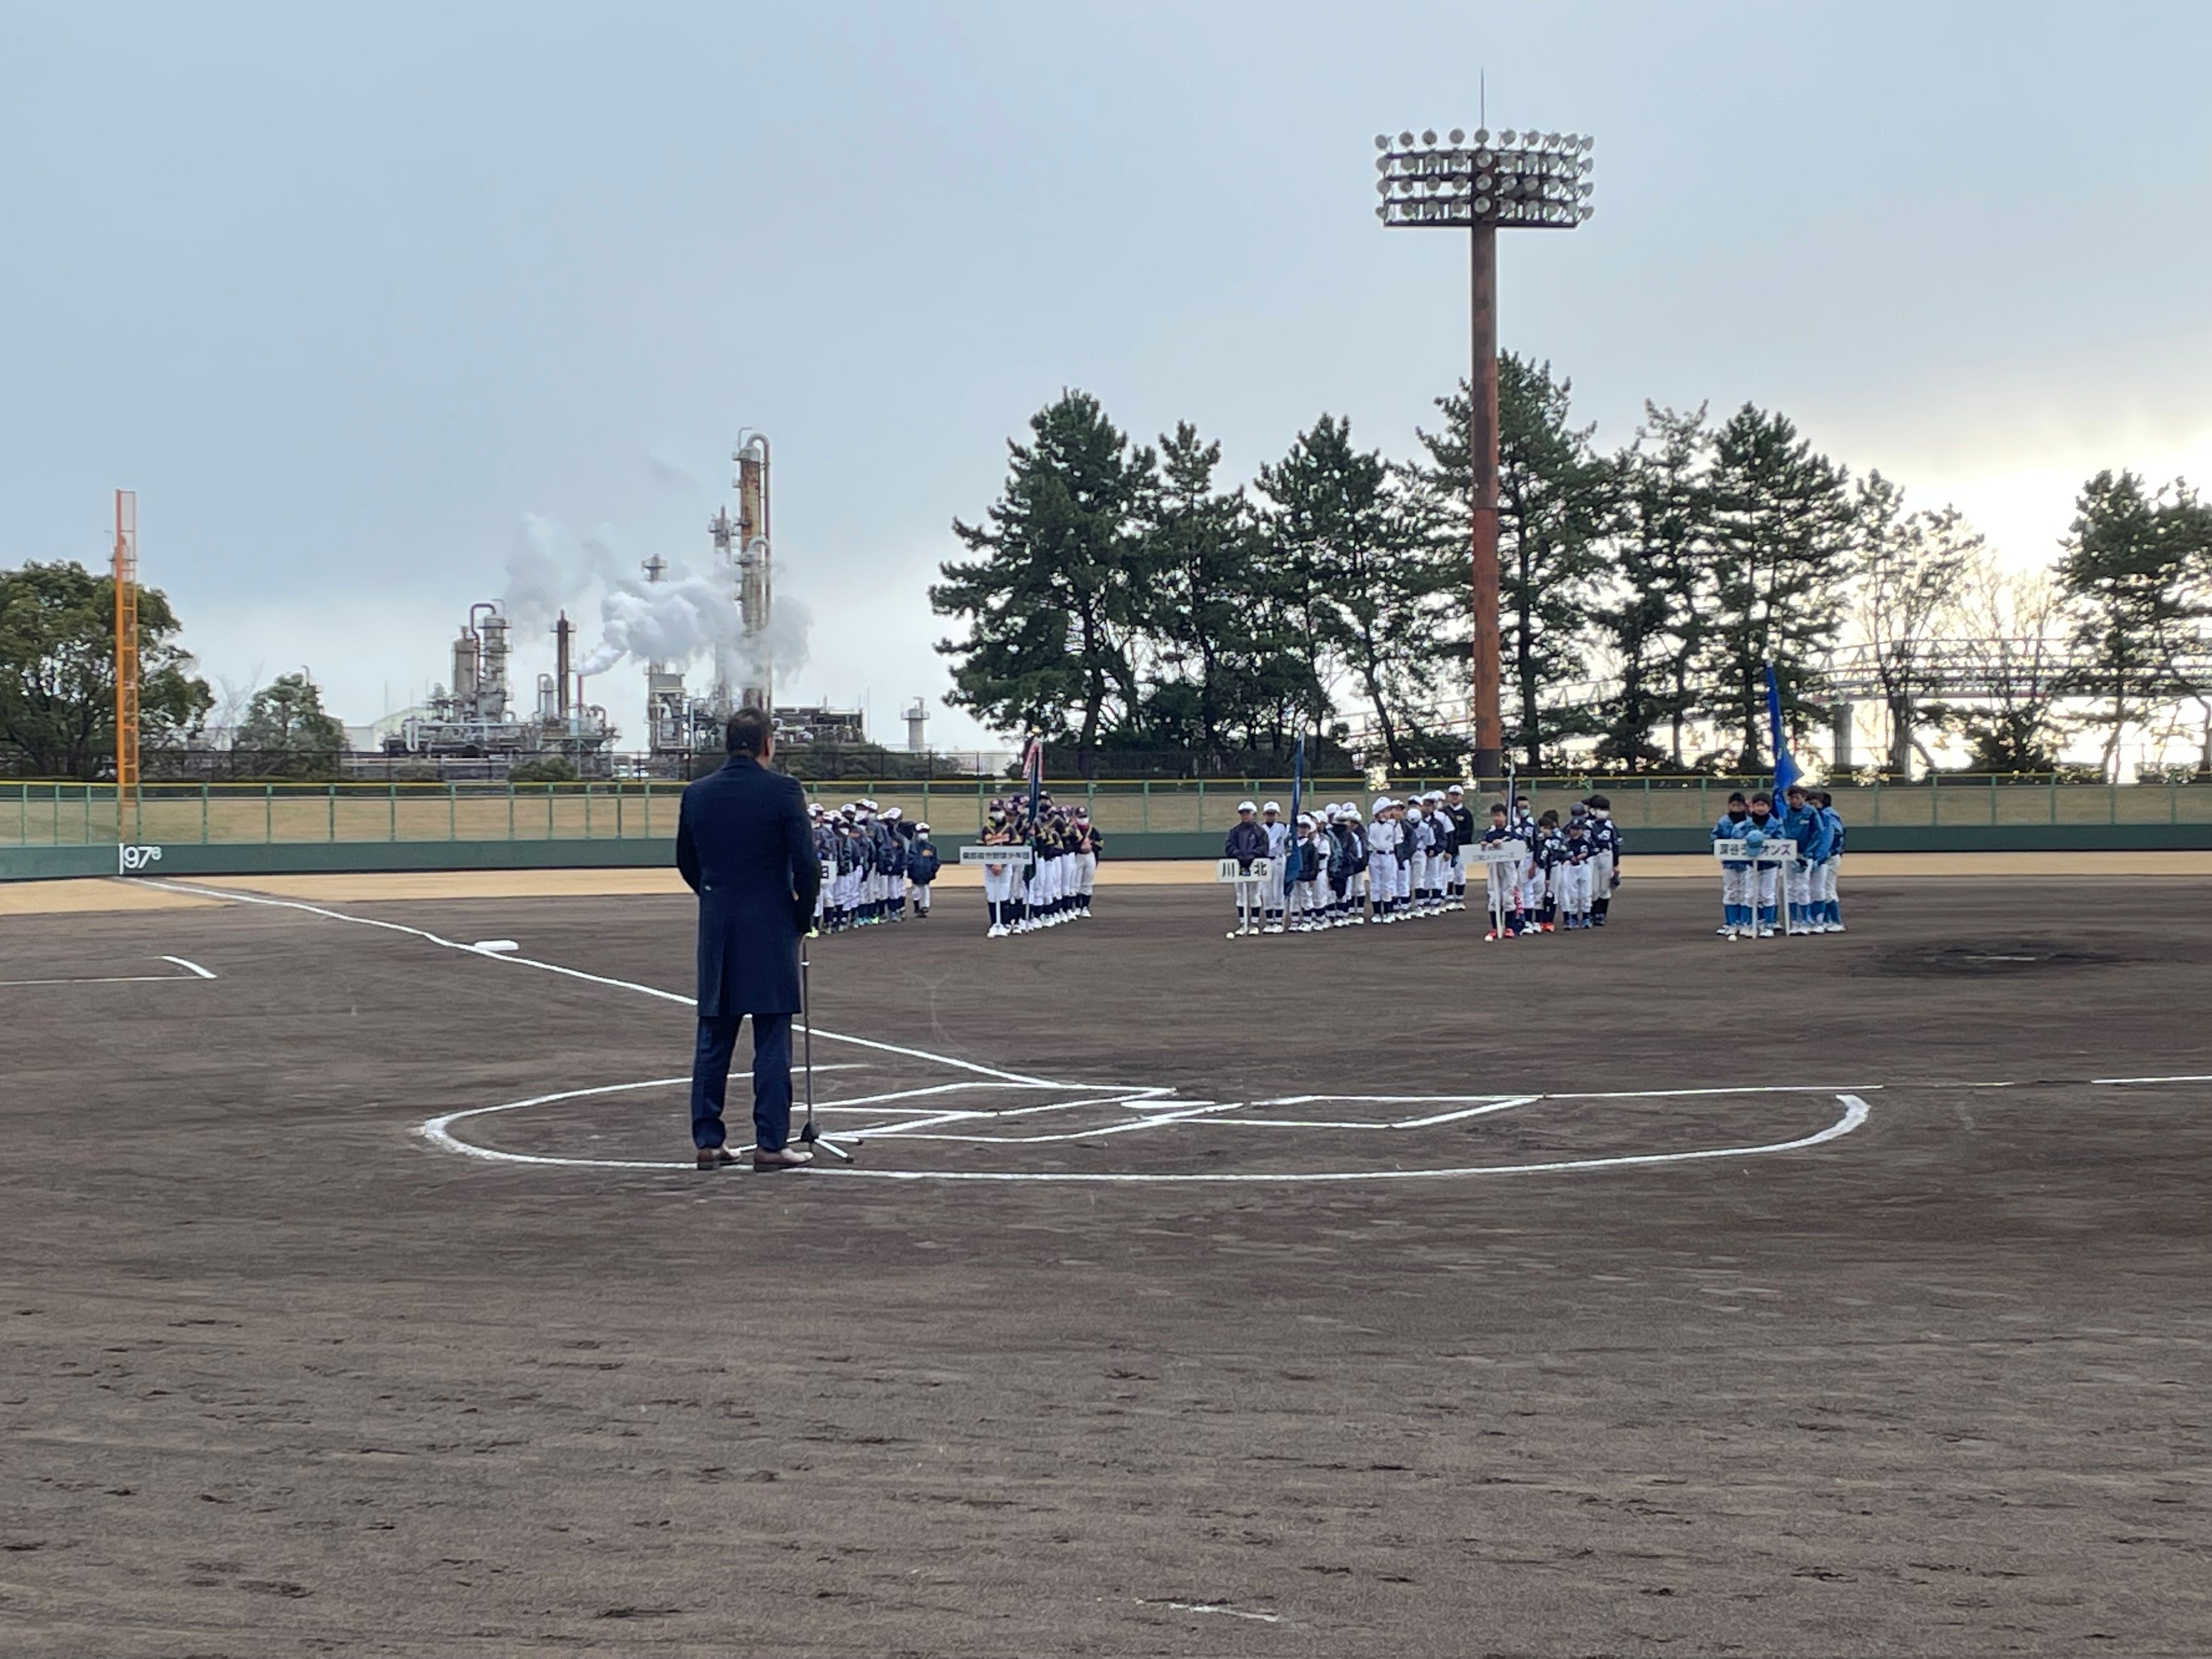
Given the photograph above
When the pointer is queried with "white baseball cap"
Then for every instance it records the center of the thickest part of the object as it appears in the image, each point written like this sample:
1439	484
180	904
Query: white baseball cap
1246	806
1383	803
1273	806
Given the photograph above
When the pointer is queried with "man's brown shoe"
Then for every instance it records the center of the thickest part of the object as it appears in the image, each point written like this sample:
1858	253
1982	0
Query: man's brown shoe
784	1157
716	1158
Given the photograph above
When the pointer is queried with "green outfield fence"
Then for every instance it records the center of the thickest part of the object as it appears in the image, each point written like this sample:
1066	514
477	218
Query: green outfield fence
209	814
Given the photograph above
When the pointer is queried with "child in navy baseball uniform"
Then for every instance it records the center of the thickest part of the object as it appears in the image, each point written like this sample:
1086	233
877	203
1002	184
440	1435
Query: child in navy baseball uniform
922	865
1345	848
1089	844
1543	860
1246	843
1528	828
1605	858
1571	873
1503	895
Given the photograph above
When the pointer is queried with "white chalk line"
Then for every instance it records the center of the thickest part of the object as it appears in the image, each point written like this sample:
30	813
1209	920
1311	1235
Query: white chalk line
234	897
1856	1112
439	1132
1216	1606
1147	1099
193	971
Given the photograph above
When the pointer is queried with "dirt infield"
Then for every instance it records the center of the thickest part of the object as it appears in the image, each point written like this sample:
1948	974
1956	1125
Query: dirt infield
1379	1292
111	893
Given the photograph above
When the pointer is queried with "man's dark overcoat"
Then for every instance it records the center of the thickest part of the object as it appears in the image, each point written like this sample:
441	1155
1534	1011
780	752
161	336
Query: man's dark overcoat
744	845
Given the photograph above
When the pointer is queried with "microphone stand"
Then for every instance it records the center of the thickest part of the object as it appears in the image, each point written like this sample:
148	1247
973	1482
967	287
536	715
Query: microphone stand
809	1135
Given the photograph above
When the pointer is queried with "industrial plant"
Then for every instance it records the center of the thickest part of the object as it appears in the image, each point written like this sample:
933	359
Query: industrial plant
474	718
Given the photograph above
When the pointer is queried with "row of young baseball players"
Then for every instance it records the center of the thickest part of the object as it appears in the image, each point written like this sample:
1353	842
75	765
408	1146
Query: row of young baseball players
1809	832
874	865
1564	874
1057	876
1402	860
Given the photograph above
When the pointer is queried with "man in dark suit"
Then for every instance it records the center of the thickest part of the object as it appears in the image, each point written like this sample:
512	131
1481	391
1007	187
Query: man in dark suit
744	846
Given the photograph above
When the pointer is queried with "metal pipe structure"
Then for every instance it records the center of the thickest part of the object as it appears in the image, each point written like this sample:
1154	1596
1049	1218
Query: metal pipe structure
563	631
1536	179
755	583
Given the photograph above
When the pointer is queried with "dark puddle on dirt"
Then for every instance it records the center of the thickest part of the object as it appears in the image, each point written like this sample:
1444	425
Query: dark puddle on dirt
1989	958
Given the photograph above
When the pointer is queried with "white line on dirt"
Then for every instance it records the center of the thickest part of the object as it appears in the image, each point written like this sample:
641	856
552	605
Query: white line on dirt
1856	1112
232	896
438	1130
193	971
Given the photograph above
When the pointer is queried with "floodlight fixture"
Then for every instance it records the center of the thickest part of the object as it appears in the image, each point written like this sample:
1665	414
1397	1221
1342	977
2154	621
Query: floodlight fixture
1539	181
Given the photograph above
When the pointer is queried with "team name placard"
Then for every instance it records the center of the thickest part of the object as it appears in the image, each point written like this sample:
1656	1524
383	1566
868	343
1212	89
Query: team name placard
1772	851
1494	852
1022	855
1237	870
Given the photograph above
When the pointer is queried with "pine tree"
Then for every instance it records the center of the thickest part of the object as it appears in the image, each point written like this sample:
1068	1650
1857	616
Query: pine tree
1056	599
1557	497
1236	671
1781	531
2138	565
1654	626
287	732
1346	554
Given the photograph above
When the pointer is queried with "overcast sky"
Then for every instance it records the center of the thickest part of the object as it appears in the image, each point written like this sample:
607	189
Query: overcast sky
346	291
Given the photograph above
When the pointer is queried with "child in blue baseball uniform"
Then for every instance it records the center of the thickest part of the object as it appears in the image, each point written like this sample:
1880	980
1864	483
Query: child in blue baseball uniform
1764	826
1802	823
1830	910
1736	918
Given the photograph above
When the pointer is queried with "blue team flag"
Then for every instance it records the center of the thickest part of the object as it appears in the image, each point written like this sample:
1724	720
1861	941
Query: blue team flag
1297	782
1785	769
1033	768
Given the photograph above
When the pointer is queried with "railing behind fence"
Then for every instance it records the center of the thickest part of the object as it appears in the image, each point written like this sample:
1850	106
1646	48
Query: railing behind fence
35	814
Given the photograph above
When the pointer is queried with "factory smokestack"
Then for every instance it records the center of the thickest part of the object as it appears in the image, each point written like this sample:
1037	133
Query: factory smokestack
564	632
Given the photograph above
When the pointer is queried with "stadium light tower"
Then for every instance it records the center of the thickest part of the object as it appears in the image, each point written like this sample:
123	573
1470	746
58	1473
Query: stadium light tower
1477	184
